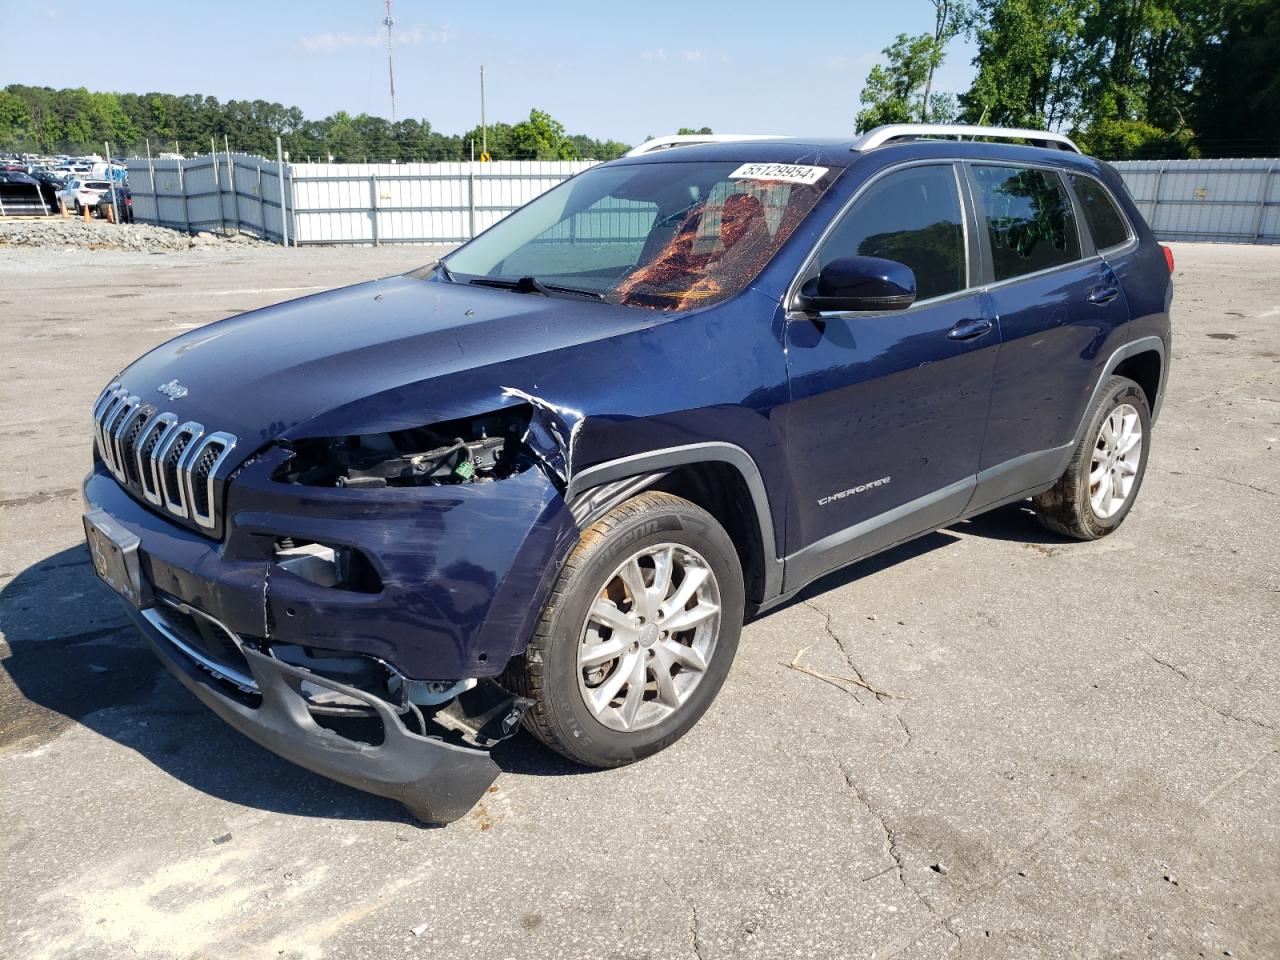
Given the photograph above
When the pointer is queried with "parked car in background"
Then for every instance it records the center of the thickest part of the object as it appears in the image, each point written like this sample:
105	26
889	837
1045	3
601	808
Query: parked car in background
82	193
544	479
122	197
50	186
20	195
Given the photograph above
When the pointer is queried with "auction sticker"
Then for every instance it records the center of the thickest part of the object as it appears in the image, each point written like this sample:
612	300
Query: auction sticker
785	172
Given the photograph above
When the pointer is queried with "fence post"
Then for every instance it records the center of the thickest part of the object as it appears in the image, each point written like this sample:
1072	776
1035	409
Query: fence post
471	199
1155	197
217	183
373	207
182	189
231	181
151	172
262	208
1262	202
284	219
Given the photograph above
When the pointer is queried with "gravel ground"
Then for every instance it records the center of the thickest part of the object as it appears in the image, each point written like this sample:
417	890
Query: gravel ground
74	234
1082	759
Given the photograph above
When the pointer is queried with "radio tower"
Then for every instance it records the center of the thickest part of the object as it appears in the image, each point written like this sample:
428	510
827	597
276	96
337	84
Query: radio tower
391	73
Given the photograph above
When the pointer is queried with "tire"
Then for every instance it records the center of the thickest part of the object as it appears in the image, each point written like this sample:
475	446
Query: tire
550	672
1083	504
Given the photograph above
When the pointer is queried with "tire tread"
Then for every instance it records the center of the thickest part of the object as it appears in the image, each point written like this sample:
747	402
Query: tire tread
527	675
1063	508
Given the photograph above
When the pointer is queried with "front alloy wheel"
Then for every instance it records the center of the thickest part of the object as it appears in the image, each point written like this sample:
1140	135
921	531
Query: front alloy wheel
649	637
638	635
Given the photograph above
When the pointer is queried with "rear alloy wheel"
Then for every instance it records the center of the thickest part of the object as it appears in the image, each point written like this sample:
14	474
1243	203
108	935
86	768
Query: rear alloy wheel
638	635
1104	474
1117	455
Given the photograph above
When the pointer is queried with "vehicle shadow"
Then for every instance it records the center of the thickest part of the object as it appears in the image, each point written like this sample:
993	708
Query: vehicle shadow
75	658
1014	523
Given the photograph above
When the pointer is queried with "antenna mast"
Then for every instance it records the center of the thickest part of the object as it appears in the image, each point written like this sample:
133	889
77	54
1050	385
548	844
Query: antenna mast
391	73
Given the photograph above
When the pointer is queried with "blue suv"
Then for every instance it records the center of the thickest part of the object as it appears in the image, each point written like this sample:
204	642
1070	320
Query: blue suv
544	479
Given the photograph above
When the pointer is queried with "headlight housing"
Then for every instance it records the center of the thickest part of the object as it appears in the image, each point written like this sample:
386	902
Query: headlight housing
478	449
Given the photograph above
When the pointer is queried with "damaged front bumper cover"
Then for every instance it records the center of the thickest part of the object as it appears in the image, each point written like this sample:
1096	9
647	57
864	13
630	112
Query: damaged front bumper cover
437	781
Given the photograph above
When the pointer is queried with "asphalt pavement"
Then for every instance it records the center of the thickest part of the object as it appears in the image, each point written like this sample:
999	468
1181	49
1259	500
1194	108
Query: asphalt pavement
1039	748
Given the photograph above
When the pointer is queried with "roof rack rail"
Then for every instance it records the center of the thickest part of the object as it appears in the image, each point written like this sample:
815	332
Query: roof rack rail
689	139
900	132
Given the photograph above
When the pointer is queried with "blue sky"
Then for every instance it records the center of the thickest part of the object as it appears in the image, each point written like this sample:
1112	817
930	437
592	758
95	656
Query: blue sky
620	70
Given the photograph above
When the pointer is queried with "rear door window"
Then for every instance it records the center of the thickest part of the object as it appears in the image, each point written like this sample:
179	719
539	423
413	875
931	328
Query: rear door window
1028	218
1106	223
912	216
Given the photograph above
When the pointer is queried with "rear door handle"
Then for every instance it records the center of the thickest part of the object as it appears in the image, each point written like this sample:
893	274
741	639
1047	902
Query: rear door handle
1104	294
968	329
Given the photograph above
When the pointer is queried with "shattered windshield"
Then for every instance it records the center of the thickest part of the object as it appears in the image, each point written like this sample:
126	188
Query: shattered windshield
668	236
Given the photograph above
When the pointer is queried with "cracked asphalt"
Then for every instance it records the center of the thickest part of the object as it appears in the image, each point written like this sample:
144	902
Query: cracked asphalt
990	742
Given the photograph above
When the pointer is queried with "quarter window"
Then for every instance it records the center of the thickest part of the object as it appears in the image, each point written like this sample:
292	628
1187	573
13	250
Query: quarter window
914	217
1029	220
1106	223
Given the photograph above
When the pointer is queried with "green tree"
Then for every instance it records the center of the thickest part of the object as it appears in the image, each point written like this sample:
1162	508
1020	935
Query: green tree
1236	104
541	138
589	149
15	122
341	141
950	18
1136	73
895	91
1027	58
690	132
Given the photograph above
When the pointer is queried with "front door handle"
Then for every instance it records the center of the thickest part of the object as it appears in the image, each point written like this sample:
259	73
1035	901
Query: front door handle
968	329
1103	294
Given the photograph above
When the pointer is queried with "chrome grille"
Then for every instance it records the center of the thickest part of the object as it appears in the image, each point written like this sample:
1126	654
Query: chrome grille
171	464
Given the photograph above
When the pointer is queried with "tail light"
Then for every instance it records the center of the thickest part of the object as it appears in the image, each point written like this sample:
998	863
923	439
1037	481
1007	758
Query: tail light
1168	257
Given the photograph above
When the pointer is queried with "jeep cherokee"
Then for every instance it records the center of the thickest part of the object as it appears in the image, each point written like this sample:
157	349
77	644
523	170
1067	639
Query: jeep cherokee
544	479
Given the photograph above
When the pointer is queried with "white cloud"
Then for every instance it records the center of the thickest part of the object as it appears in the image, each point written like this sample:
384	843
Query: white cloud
661	53
413	36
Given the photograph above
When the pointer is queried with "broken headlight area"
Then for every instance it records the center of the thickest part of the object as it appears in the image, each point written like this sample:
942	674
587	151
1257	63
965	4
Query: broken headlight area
476	449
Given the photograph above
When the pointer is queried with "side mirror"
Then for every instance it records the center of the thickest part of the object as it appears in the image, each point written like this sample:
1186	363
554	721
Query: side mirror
859	284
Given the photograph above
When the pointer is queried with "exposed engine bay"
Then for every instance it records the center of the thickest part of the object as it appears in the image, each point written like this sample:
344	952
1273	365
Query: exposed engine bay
476	449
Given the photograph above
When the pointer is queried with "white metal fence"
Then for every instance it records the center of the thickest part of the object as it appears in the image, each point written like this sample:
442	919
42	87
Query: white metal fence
1235	201
331	203
226	191
1228	201
371	203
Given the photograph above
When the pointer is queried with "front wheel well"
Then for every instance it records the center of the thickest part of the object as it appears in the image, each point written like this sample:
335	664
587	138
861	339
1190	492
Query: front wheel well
1144	370
720	490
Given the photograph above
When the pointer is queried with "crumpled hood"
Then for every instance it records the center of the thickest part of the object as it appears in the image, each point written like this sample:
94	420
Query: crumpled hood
268	372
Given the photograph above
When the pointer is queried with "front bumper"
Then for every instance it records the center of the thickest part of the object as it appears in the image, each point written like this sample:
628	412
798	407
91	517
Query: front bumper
436	781
464	570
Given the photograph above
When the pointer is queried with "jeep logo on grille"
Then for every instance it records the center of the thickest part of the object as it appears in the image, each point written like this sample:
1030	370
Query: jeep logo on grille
173	390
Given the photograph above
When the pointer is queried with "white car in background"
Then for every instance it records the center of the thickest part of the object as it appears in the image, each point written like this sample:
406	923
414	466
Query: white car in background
83	193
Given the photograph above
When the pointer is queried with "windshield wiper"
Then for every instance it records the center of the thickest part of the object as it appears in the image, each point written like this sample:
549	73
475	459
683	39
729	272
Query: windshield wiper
534	285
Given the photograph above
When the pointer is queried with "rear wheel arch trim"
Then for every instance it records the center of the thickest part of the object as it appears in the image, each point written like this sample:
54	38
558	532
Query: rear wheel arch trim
668	458
1124	352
